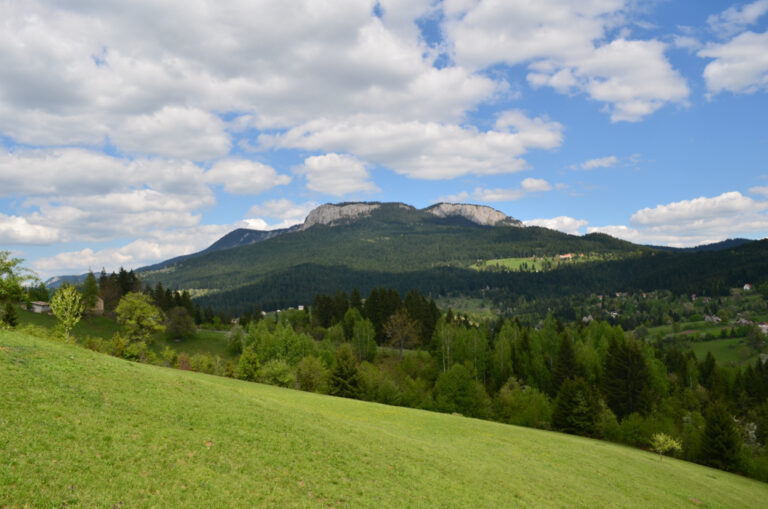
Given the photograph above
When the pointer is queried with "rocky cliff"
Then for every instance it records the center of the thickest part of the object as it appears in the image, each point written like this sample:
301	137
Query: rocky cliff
330	214
479	214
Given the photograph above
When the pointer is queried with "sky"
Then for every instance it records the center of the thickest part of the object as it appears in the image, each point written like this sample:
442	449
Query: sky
133	132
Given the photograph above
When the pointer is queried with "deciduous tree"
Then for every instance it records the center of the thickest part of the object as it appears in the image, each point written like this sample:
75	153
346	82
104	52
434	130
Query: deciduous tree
139	316
67	307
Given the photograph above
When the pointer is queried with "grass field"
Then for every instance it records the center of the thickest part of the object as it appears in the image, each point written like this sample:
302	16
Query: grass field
83	429
725	350
538	263
205	341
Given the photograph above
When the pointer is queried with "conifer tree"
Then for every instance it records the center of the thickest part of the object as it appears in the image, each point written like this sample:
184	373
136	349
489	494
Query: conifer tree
721	445
566	365
577	409
345	377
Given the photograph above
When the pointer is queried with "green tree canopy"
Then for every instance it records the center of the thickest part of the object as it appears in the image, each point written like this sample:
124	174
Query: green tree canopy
12	275
345	377
67	306
721	446
139	316
179	324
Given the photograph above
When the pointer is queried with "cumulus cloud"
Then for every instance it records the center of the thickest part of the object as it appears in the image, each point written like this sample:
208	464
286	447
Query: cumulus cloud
563	224
241	176
17	230
739	65
155	246
693	222
427	150
563	44
82	72
84	195
184	133
336	174
737	18
600	162
727	204
285	211
527	186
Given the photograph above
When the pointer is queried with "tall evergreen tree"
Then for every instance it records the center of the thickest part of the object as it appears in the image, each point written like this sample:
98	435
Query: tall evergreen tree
721	445
577	409
90	291
566	365
626	379
344	380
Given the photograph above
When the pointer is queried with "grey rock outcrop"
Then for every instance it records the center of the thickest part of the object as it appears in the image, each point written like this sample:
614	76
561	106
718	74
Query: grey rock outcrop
479	214
330	214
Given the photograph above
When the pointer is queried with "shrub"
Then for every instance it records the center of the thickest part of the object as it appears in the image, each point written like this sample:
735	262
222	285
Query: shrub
277	372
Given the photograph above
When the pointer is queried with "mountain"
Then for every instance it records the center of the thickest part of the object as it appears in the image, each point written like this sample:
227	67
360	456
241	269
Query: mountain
715	246
435	250
378	242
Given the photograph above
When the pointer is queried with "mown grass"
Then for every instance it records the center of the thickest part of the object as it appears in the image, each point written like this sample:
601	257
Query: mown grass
725	351
78	428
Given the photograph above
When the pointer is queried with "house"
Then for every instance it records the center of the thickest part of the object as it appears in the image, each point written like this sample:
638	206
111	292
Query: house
40	307
747	287
98	307
763	328
567	256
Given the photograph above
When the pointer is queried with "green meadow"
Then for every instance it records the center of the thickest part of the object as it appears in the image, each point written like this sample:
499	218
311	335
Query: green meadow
83	429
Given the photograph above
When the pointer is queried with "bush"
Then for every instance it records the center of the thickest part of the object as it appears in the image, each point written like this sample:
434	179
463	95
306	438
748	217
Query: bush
311	375
522	405
248	365
203	363
277	372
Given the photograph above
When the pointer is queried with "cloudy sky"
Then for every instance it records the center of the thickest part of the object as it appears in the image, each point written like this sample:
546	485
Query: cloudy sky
135	131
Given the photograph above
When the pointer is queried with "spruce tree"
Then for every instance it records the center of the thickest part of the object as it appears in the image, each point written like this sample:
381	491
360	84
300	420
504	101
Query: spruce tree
721	445
345	377
577	409
626	379
566	365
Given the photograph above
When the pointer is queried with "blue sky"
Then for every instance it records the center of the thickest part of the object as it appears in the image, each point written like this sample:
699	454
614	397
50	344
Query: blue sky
132	132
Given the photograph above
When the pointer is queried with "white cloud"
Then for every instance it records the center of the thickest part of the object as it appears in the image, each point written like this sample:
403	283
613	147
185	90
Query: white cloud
735	19
17	230
150	76
527	186
282	209
686	42
601	162
175	132
693	222
727	204
761	190
337	174
241	176
156	246
427	150
288	212
564	224
739	65
564	45
83	195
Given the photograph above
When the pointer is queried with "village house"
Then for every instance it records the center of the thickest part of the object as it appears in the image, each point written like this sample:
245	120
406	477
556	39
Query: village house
40	307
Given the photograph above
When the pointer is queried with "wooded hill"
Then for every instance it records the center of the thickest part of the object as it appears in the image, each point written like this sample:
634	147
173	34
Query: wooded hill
393	243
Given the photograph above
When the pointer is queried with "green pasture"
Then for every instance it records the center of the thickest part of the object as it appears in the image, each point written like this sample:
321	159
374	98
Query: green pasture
82	429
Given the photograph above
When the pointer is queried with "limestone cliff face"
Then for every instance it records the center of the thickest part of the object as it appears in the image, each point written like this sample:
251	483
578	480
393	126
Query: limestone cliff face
479	214
330	214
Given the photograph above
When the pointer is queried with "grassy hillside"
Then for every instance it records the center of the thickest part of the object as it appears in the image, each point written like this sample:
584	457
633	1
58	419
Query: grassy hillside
82	429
